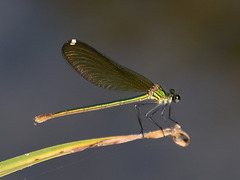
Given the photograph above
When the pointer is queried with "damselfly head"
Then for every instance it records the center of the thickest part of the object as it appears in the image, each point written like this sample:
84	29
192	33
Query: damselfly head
175	96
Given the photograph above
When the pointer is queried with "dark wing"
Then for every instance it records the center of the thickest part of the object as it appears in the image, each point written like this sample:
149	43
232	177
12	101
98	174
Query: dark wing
100	70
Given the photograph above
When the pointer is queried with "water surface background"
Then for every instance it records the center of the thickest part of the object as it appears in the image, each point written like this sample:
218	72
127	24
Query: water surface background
191	46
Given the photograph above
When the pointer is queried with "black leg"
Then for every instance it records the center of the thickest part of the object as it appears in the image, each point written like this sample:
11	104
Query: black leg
169	115
138	112
150	114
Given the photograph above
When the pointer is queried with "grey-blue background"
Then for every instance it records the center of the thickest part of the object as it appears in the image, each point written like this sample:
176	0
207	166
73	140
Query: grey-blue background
192	46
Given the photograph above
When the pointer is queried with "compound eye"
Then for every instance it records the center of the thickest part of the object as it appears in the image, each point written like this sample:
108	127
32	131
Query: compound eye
176	98
172	91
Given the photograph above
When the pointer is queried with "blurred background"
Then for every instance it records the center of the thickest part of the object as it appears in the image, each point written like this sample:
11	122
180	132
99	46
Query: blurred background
191	46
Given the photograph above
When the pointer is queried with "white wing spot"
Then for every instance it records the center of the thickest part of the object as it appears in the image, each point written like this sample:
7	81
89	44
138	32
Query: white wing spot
73	42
